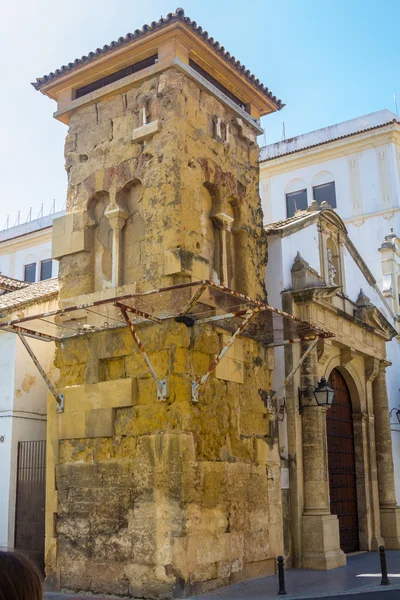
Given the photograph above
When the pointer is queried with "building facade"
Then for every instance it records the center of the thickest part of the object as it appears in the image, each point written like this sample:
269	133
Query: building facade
353	166
23	408
341	489
25	250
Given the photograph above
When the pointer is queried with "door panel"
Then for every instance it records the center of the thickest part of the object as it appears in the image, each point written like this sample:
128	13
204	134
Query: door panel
341	461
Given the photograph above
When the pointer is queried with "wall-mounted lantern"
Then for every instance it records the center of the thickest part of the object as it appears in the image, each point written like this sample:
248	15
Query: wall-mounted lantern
323	395
397	413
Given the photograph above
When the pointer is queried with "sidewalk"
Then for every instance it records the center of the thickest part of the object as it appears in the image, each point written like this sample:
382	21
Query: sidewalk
302	583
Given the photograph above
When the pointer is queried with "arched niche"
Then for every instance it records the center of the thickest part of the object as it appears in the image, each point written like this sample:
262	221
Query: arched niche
323	185
102	241
334	274
129	200
322	178
29	268
296	196
295	185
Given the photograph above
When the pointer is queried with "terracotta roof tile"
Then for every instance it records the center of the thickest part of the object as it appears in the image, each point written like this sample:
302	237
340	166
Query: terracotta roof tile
31	294
299	216
178	15
10	284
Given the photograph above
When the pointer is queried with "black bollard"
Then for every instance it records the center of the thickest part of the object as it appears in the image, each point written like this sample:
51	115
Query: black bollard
281	576
382	556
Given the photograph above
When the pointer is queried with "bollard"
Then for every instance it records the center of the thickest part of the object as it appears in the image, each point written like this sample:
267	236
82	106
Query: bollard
281	576
382	556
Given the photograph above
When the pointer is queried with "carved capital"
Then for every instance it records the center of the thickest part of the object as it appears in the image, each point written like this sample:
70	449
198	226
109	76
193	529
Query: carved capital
371	368
323	350
223	221
116	216
383	364
346	355
362	417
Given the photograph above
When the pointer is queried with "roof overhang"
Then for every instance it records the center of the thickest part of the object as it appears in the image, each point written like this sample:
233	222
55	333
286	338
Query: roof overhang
180	38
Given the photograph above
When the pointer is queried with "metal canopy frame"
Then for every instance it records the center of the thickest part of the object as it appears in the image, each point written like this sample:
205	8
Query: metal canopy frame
194	304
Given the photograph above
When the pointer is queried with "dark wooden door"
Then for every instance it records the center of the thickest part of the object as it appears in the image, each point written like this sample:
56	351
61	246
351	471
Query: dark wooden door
30	505
342	466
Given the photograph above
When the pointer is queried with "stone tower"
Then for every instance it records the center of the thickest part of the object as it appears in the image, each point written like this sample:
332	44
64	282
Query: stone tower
155	495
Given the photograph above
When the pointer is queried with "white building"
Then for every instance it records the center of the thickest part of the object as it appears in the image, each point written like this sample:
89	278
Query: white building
25	254
25	250
355	167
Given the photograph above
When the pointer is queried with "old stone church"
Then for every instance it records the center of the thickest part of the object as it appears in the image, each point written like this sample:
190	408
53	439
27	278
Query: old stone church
164	444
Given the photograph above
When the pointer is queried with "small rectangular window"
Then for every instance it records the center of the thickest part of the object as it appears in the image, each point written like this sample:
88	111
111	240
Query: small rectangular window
30	273
45	269
296	201
325	192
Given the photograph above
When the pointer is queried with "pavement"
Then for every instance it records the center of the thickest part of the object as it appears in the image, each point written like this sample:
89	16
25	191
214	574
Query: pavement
360	579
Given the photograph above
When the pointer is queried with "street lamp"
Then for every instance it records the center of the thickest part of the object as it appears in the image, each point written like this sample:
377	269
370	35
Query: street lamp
323	394
397	413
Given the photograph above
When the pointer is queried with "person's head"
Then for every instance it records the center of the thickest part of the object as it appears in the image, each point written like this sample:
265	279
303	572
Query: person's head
19	578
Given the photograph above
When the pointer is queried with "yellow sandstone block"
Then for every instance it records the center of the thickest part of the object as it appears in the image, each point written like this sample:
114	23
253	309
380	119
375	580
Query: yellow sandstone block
230	369
72	425
106	394
99	423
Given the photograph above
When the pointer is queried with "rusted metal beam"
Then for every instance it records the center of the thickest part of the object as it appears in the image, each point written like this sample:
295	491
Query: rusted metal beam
296	368
59	398
37	335
231	315
160	383
197	384
196	296
140	313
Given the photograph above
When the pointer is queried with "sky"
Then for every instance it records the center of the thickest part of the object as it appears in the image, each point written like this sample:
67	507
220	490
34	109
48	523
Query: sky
328	61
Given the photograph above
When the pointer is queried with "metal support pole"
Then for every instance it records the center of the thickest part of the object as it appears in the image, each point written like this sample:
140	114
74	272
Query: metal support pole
295	368
197	384
382	556
160	383
59	398
281	576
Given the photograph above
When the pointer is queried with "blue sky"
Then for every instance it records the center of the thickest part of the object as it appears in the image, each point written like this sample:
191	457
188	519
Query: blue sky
328	60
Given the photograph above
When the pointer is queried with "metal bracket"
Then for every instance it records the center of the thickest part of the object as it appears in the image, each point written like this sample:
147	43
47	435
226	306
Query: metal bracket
60	405
296	368
160	383
59	398
196	385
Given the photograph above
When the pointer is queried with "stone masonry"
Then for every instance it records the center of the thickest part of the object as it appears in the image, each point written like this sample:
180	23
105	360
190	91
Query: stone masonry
147	498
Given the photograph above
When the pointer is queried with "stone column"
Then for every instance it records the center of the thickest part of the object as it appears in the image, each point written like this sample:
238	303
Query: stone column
224	223
320	529
117	218
371	371
389	511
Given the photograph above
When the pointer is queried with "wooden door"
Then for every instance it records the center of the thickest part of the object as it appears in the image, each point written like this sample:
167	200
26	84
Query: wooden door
342	466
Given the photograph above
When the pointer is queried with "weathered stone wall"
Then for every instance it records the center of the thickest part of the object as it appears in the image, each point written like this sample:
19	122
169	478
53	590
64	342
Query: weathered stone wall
156	497
148	498
173	166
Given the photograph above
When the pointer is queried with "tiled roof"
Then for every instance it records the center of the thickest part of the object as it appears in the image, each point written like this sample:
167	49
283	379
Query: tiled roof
178	15
327	135
31	294
301	215
10	284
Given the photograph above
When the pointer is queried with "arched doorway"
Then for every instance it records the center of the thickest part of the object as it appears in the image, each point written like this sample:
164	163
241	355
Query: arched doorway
342	466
